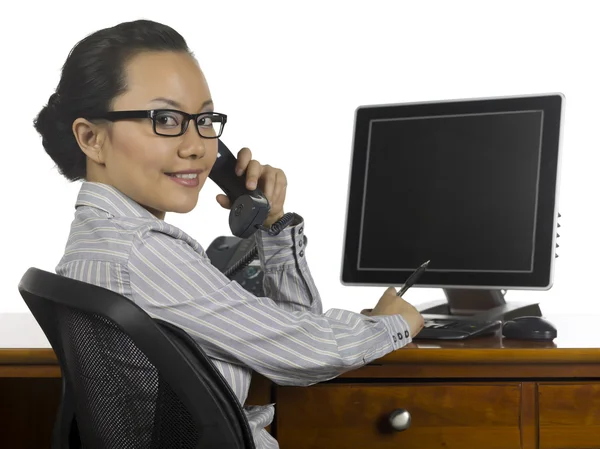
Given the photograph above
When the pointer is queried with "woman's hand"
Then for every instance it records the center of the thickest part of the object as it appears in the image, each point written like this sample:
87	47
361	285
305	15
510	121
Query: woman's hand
271	181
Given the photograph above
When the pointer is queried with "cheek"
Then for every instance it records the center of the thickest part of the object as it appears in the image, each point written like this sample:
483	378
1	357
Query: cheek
211	152
135	150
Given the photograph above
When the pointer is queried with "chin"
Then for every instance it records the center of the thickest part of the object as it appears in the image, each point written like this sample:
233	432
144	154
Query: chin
183	207
182	202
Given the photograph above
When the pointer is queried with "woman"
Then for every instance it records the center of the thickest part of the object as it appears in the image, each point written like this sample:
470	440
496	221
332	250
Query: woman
136	166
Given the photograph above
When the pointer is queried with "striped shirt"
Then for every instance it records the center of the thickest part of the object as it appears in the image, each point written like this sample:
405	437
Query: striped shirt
117	244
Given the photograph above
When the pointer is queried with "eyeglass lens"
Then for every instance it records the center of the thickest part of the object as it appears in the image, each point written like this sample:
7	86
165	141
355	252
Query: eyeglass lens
170	123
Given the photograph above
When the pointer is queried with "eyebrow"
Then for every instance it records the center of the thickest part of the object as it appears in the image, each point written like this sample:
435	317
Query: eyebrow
177	105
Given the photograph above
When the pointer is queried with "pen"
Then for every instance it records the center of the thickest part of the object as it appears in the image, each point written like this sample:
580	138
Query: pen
413	278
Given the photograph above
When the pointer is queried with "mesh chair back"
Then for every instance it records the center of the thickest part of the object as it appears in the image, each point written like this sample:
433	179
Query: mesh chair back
135	382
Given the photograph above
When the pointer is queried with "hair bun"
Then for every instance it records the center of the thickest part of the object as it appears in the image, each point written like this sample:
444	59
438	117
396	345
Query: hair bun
54	126
54	102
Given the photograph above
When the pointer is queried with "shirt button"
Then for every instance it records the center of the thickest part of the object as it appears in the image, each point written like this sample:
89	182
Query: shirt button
301	229
406	334
300	243
395	339
400	336
302	253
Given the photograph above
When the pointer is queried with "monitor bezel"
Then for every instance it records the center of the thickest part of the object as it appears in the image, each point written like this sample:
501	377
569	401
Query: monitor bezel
541	278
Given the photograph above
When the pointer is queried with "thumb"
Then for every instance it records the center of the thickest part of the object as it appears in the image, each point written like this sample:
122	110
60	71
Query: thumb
223	200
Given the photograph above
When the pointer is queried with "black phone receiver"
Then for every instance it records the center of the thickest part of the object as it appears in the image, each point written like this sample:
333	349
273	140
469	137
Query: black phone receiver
249	208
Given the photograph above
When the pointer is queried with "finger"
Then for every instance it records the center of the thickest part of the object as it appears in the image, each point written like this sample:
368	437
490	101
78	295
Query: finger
243	159
223	200
267	181
366	312
253	173
280	188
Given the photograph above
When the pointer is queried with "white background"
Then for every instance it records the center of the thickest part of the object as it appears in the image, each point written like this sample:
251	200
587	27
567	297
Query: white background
290	75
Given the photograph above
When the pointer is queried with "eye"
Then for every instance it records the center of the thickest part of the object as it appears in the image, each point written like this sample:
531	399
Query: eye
167	119
205	120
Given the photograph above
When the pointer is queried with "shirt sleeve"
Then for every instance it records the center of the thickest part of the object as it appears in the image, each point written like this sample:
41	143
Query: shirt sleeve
287	279
287	339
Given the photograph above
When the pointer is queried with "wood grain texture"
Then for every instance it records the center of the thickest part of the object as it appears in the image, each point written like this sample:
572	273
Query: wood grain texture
33	371
443	416
569	415
492	354
14	356
475	370
529	416
480	393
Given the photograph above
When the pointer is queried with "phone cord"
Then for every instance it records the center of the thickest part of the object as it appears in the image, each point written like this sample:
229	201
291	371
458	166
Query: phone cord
275	229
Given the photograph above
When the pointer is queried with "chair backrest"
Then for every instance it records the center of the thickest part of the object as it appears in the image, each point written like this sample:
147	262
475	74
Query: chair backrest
135	382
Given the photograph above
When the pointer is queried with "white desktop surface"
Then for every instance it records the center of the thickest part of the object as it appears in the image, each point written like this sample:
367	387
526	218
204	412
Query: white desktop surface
21	330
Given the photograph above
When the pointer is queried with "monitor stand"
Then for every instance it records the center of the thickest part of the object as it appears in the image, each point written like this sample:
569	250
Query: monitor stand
480	305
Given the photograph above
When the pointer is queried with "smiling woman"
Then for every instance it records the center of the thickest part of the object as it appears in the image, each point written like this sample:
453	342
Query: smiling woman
133	118
130	153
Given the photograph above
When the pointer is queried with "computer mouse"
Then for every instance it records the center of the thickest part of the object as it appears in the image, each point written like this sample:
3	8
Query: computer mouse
529	328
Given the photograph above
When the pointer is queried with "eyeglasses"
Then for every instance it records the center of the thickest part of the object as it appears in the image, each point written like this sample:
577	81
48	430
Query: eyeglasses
173	123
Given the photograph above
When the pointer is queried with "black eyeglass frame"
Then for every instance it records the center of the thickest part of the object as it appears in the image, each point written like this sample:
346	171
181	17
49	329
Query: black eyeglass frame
152	114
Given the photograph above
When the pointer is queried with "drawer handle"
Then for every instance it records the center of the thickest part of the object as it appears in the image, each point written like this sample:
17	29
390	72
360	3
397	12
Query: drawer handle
400	419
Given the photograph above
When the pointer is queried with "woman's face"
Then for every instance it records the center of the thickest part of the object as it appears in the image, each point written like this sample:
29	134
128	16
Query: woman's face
139	162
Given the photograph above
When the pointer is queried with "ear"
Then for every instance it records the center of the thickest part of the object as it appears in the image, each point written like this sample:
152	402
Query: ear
90	138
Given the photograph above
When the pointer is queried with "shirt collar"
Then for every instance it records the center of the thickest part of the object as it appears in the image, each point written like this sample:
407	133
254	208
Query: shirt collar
111	200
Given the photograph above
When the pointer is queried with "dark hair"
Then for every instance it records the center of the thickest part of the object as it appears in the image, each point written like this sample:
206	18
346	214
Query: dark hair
92	76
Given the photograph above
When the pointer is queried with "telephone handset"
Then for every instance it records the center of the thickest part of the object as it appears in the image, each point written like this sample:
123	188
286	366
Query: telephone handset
249	208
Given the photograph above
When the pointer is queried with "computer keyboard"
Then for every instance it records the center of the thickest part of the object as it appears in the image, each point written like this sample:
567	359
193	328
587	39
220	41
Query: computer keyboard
449	329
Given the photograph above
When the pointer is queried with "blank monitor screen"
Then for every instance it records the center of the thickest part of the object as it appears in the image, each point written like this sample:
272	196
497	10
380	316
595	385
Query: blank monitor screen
469	185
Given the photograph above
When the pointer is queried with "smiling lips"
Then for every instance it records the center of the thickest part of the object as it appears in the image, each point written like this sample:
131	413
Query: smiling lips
187	178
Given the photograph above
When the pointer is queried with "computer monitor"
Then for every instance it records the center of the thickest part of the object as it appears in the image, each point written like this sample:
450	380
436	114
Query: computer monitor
471	185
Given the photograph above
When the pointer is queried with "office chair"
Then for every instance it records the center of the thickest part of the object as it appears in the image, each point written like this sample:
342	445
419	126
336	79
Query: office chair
130	381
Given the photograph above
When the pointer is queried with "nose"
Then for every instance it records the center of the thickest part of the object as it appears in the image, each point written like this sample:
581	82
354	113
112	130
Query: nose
193	145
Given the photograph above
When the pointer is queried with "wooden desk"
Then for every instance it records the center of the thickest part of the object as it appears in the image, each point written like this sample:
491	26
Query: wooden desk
487	393
482	393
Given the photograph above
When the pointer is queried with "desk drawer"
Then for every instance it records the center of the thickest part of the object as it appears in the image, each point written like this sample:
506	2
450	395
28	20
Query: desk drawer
355	416
569	415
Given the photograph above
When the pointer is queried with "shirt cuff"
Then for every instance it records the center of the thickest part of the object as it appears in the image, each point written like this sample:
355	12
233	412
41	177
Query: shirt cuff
284	250
398	329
